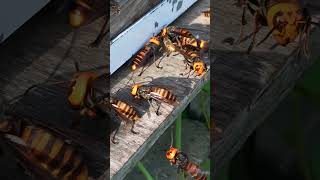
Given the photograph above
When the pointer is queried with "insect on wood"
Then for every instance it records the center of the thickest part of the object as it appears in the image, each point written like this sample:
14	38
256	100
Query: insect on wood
126	112
183	163
154	93
287	20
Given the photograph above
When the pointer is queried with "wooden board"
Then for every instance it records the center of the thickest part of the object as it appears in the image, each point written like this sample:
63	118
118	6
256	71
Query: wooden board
33	54
246	89
131	148
130	11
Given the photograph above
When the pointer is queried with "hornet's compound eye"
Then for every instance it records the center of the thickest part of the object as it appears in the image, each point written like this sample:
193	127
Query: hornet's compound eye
199	67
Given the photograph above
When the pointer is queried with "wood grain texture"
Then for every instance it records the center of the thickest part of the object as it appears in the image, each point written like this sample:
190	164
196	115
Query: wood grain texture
33	54
246	88
131	148
130	12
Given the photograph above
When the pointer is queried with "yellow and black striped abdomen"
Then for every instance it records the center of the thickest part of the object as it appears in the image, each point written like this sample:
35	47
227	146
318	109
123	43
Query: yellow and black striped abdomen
51	153
191	41
126	110
206	13
185	41
192	54
142	56
195	171
183	32
164	93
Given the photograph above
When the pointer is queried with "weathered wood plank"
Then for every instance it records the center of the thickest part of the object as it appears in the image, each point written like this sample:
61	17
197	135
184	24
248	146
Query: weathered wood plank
130	12
246	89
33	54
131	148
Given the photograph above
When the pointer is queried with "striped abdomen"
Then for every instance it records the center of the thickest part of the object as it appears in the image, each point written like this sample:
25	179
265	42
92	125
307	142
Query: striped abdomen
206	13
61	160
180	31
195	171
163	94
125	110
191	41
192	55
141	57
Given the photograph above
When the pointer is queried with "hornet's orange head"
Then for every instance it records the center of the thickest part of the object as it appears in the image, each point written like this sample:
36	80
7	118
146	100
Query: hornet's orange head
199	67
135	88
164	32
171	153
285	17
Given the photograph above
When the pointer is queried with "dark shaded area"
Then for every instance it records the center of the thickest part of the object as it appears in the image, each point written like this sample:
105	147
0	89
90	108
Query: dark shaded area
48	104
273	150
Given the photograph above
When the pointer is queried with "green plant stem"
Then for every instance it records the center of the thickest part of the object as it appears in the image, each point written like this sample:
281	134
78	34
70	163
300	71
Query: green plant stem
144	171
178	132
203	109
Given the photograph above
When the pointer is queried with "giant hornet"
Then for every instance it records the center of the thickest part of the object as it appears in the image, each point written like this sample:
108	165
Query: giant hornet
81	95
183	163
193	60
150	49
286	20
142	56
185	37
189	46
43	151
170	39
126	112
153	93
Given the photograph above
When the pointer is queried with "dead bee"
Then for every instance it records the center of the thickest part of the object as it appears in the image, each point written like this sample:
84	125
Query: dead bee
126	112
286	20
183	163
153	93
43	151
206	13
